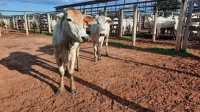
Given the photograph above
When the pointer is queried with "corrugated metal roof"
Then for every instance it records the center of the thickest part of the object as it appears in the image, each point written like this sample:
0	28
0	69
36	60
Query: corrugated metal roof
85	3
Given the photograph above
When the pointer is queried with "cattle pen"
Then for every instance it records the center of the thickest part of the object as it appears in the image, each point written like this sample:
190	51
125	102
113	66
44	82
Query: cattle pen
152	76
139	11
30	21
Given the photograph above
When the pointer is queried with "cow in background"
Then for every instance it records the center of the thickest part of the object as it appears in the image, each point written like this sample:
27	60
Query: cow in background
99	32
35	24
163	23
127	25
4	25
67	36
53	23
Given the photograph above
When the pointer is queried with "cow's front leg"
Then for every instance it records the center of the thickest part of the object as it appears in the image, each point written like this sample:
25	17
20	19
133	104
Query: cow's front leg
107	45
95	52
99	51
62	73
72	59
77	57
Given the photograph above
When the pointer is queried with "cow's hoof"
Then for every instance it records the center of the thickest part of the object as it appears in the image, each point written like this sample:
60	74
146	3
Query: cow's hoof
74	91
99	59
77	70
59	92
107	55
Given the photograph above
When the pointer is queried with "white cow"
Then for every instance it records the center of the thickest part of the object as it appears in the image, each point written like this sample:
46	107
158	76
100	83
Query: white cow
4	25
67	36
170	22
127	24
194	24
99	32
53	23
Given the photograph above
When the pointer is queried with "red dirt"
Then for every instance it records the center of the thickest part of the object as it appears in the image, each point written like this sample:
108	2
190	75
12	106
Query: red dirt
128	80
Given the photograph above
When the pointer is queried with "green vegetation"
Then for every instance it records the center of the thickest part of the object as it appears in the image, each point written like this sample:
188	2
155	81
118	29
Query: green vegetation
167	51
119	44
168	6
125	38
43	33
154	49
147	35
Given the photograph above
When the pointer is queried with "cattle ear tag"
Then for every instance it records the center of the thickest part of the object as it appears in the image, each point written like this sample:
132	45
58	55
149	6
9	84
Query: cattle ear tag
88	19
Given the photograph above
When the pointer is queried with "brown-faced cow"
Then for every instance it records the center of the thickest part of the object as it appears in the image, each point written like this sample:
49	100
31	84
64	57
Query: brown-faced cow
67	36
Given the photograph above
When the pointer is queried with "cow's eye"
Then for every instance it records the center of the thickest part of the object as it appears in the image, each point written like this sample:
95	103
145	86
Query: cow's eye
105	21
69	20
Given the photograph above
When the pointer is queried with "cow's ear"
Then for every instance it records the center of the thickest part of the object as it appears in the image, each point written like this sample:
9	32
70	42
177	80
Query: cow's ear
96	16
89	20
60	15
109	21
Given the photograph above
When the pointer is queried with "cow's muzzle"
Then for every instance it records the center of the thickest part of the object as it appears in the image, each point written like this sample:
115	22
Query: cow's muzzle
102	34
84	38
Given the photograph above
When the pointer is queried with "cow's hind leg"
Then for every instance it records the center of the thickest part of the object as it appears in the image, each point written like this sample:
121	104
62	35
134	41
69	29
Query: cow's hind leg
107	45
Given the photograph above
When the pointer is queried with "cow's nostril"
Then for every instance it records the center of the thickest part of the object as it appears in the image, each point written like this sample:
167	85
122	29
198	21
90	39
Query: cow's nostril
102	34
85	38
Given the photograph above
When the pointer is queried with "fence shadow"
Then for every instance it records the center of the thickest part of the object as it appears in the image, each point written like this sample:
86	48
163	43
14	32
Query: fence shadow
112	96
23	62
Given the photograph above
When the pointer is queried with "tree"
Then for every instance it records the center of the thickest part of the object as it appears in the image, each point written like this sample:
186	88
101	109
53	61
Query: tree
0	15
170	5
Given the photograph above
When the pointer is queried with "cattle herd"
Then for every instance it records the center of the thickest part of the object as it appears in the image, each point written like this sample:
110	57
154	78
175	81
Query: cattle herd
69	33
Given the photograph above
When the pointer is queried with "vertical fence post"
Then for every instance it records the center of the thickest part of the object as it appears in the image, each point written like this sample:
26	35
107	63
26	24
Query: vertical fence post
28	22
105	11
135	10
25	25
17	26
49	22
186	32
121	22
155	24
84	24
180	25
13	22
139	21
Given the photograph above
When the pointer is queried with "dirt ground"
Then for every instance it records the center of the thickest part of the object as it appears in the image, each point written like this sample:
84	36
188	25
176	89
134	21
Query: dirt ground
128	80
